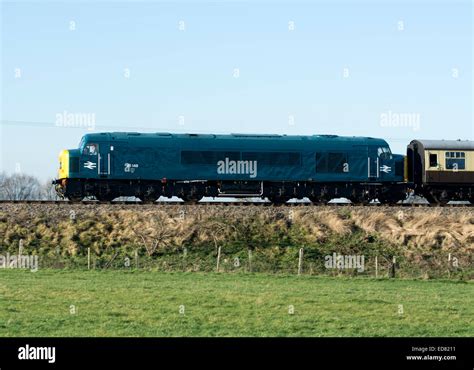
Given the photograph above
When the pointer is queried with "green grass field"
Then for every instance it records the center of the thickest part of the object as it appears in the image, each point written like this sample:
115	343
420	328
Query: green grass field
118	303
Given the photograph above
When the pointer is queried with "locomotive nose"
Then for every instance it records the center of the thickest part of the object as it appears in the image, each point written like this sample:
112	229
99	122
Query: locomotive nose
63	171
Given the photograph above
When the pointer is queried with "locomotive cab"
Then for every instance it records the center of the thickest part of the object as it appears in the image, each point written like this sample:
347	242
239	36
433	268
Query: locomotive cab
68	184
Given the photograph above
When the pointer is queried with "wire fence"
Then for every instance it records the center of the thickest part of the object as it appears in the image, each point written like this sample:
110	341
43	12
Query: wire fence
297	261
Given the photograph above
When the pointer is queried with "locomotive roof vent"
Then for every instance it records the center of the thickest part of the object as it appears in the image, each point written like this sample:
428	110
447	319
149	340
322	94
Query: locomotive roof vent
256	135
201	136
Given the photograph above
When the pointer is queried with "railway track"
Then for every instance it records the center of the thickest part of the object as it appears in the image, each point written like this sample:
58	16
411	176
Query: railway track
231	204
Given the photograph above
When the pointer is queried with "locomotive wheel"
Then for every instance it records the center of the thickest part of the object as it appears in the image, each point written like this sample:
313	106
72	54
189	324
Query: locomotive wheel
74	199
278	200
358	200
105	198
387	201
317	201
190	199
149	199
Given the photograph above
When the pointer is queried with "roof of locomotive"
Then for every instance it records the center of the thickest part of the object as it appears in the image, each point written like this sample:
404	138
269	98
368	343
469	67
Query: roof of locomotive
164	135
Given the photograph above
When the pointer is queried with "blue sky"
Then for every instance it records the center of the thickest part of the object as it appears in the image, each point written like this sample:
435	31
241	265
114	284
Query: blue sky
284	67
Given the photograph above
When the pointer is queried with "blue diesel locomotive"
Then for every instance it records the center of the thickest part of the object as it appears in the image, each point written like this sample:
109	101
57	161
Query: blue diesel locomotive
191	166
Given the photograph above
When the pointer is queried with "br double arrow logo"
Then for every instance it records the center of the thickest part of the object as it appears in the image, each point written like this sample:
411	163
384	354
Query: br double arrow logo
90	165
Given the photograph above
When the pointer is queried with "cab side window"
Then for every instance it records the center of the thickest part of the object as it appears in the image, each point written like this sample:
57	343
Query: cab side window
91	149
384	153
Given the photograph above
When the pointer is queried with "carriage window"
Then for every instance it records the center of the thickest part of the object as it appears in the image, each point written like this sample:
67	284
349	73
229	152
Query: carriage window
455	160
91	149
433	160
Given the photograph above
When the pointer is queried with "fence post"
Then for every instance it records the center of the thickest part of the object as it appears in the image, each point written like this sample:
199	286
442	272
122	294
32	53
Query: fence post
449	265
250	260
88	258
136	259
218	258
300	262
376	267
392	268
